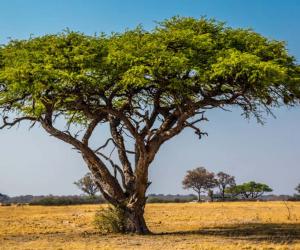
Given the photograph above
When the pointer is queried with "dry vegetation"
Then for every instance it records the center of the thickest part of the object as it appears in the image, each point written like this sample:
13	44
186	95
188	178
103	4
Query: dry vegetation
240	225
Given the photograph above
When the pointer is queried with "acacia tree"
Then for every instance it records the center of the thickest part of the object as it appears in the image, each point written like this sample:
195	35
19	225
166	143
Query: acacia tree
200	180
88	185
224	181
249	190
146	86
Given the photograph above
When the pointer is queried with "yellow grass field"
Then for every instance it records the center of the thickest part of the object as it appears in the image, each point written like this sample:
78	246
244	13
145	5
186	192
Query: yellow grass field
236	225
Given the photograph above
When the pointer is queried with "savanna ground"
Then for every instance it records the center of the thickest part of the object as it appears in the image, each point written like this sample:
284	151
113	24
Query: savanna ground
236	225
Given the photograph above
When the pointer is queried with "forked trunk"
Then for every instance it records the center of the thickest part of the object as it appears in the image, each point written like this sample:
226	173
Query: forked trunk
132	200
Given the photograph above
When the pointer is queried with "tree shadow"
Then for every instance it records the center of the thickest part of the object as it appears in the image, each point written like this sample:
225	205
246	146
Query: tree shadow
273	232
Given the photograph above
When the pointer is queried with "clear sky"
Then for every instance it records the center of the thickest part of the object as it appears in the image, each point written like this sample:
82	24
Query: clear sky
34	163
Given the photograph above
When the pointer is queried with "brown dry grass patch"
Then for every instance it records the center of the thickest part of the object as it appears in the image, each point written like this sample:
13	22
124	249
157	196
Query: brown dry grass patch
232	225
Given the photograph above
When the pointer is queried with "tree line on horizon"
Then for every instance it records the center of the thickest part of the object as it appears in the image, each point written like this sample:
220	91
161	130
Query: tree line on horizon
94	198
202	181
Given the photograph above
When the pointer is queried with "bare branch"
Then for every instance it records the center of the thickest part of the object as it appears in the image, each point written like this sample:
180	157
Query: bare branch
192	125
16	121
106	143
119	142
197	130
116	167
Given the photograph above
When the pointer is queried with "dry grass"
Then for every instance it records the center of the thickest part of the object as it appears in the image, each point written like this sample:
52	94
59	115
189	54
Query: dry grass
242	225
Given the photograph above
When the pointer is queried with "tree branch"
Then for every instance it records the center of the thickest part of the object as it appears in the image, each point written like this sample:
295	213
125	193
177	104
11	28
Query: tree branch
91	127
95	164
119	141
16	121
116	167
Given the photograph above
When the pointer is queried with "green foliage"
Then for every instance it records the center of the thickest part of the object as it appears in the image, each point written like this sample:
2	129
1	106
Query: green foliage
249	190
48	69
110	220
88	185
186	59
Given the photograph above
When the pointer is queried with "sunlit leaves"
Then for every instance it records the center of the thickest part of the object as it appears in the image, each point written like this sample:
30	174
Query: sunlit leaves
183	58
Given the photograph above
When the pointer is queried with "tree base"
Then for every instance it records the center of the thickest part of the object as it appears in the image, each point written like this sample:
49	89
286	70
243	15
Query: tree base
136	222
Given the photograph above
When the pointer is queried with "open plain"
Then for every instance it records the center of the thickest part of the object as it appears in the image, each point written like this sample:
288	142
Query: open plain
231	225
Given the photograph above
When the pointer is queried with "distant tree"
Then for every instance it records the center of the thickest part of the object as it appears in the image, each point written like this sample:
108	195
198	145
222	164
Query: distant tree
199	180
298	188
3	198
224	181
249	190
210	194
88	185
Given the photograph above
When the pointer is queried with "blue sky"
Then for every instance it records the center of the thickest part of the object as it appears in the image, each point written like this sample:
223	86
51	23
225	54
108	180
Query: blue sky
34	163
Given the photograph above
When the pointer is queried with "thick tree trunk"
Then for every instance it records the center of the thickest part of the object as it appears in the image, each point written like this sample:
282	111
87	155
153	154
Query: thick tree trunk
137	200
136	222
131	198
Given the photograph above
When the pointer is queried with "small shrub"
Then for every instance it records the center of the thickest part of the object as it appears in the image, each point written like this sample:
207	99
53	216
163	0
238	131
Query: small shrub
110	220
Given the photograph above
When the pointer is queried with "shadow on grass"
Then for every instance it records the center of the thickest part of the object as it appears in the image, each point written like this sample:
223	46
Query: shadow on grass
273	232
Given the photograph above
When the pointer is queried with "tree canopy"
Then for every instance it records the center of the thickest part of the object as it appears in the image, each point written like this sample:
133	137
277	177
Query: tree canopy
224	181
88	185
249	190
199	180
184	61
147	86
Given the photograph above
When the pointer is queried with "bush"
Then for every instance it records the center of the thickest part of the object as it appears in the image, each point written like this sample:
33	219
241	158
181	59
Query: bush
165	200
296	197
6	204
63	201
156	200
110	220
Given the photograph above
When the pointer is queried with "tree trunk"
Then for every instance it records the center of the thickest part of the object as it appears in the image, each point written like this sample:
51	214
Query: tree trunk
132	200
136	222
199	198
223	194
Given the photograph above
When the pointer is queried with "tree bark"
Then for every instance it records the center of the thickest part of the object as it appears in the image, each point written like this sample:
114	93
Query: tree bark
132	200
135	221
137	200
